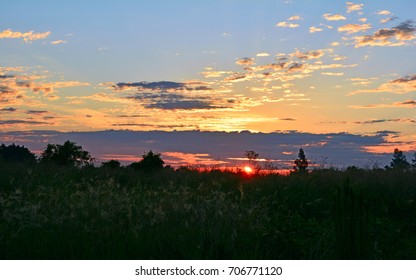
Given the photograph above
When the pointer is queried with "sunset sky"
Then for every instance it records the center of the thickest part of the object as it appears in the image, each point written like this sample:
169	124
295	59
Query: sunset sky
273	66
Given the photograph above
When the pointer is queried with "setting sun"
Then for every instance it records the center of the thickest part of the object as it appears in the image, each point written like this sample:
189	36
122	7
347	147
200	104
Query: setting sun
248	169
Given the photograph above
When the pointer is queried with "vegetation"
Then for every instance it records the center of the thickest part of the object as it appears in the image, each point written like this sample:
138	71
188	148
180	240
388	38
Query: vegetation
399	160
301	163
68	154
16	153
55	211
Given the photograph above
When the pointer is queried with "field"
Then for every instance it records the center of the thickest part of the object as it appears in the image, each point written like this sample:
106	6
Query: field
51	212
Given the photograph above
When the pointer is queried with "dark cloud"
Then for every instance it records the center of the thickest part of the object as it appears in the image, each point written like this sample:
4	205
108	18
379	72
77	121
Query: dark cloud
288	119
295	66
6	90
406	79
174	101
6	76
36	112
409	102
12	122
162	86
156	86
8	109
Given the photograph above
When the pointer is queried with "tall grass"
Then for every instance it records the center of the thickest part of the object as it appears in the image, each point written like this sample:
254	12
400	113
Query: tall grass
50	212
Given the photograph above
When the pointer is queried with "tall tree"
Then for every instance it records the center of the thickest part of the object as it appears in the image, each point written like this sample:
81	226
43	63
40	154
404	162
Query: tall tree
301	163
399	160
67	154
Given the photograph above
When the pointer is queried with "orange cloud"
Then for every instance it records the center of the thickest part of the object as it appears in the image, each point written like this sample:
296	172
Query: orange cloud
314	29
332	17
351	7
396	36
26	36
398	86
58	42
354	28
287	24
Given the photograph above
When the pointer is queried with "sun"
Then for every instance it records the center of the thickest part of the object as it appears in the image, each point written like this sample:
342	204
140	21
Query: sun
248	169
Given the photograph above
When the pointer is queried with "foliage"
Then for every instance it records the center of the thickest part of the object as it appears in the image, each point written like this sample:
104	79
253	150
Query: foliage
301	163
252	157
112	164
62	212
16	153
399	160
68	154
150	162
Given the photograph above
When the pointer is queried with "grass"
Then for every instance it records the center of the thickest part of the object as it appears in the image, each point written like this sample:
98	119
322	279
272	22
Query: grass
50	212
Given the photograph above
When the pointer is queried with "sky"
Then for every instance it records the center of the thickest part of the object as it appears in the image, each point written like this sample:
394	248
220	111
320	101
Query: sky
311	69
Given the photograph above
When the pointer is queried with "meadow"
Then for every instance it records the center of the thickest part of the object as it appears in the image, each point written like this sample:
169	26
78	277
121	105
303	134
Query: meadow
53	212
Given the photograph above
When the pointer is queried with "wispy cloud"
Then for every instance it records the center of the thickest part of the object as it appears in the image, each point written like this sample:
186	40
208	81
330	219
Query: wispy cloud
26	36
398	86
57	42
410	103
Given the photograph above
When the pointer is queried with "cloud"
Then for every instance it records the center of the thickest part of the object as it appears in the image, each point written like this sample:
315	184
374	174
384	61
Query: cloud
8	110
36	112
14	122
296	17
245	61
26	36
176	101
384	12
385	20
162	86
287	24
57	42
332	17
401	104
354	28
263	54
351	7
308	55
314	29
333	73
395	36
398	86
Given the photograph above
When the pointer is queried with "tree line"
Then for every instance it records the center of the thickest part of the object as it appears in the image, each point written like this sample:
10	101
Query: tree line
71	154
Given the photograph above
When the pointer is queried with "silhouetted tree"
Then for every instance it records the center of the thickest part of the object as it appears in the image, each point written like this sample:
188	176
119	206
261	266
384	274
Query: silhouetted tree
399	160
414	160
67	154
150	162
301	163
16	153
252	157
112	164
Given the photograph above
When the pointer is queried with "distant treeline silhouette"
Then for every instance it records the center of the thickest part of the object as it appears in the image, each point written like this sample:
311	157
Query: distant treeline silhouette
71	154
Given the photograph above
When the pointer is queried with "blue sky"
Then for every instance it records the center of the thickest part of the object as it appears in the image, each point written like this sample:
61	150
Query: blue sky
309	66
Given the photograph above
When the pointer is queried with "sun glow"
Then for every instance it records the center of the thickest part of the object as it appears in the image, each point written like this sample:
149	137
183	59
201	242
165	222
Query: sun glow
248	169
